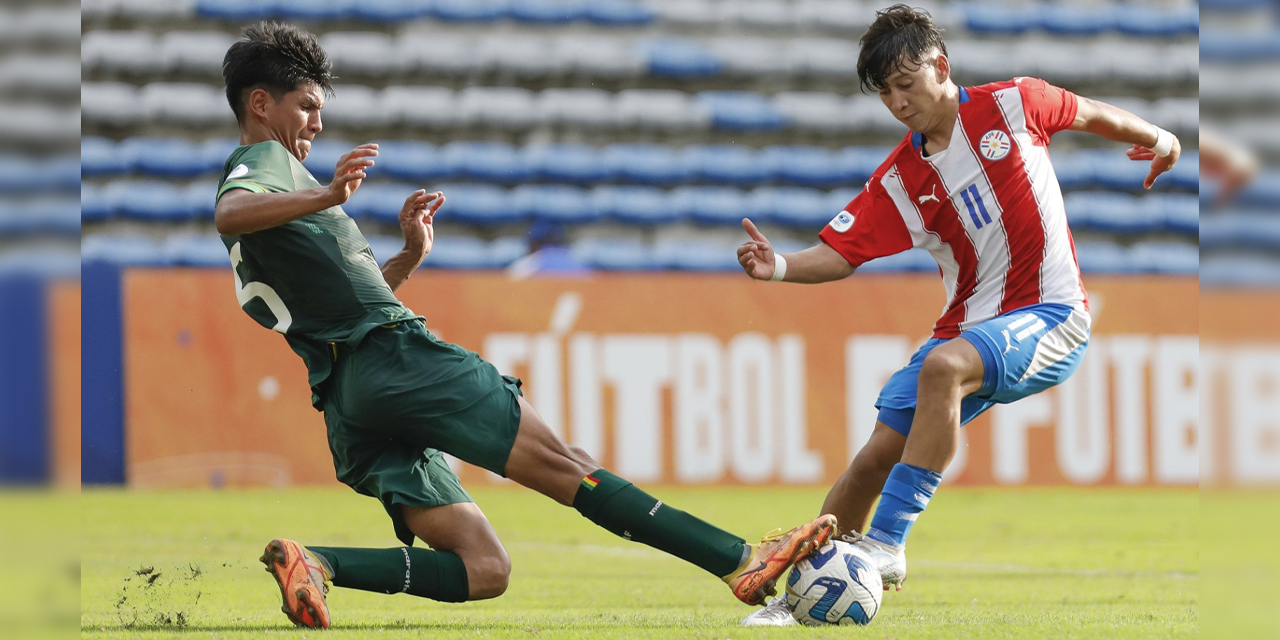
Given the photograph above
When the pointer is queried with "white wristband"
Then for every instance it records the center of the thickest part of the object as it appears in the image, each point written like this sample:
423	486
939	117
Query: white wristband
779	268
1164	143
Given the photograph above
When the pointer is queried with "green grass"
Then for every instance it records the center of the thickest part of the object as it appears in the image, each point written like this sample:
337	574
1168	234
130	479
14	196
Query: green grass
1025	564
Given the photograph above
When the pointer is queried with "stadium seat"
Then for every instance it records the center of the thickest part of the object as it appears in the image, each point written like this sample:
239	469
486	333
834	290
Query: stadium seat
156	10
123	248
186	103
386	247
506	250
1102	257
459	252
687	13
525	56
412	160
392	12
1239	271
572	163
672	58
816	111
102	157
1064	19
355	106
237	11
379	202
1113	170
822	58
480	204
548	11
556	203
741	111
1264	191
314	10
1116	213
113	104
504	107
169	157
93	204
619	13
432	53
470	10
131	52
195	52
660	109
322	160
1000	19
728	164
808	166
578	108
200	197
874	116
1148	21
696	255
149	201
1165	257
646	163
723	206
1074	171
429	107
751	57
598	57
196	250
367	53
615	254
1180	213
645	206
487	161
794	207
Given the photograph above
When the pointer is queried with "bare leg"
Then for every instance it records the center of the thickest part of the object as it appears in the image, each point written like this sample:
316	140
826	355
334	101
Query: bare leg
856	492
950	372
541	461
464	530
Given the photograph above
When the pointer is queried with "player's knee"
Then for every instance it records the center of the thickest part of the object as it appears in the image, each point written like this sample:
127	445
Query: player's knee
943	368
488	575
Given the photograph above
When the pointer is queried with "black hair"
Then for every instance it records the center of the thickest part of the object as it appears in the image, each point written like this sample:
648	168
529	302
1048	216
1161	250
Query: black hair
900	38
276	57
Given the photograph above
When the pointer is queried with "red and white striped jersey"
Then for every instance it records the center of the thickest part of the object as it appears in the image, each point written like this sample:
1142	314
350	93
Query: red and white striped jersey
988	207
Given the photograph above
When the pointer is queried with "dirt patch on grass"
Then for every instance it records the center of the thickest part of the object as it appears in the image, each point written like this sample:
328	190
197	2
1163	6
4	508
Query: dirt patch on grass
159	597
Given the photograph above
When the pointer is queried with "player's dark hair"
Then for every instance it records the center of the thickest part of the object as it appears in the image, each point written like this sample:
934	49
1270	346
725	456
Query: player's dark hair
277	58
900	38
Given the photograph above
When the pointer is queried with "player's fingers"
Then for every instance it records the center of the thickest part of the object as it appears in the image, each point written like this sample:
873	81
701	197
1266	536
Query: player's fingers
413	198
435	202
750	228
1151	177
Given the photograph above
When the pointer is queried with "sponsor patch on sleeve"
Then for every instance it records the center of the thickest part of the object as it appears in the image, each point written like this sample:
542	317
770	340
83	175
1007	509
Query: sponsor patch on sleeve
240	170
842	222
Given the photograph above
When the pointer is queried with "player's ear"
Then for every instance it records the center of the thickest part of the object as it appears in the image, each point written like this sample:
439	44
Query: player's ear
258	102
942	68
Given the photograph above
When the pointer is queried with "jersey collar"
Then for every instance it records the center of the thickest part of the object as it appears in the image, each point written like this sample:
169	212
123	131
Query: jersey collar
917	139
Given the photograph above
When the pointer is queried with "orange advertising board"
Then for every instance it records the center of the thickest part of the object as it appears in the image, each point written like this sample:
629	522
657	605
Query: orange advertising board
64	382
669	378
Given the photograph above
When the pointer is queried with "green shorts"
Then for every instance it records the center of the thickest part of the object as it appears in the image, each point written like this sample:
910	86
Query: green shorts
399	399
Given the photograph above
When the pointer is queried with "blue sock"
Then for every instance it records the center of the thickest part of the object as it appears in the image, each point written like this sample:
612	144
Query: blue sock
906	493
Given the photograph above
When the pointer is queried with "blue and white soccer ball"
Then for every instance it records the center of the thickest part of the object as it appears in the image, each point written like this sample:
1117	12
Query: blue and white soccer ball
838	584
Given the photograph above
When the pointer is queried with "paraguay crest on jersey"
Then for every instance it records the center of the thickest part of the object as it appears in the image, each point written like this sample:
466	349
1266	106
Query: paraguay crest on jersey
994	145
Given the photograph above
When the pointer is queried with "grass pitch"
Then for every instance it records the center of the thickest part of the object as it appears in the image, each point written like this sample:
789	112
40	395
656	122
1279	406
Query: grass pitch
1025	564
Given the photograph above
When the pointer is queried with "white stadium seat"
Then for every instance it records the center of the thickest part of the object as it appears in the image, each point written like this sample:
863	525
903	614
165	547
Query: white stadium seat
431	107
355	105
597	56
817	110
111	103
198	52
592	108
128	51
835	15
821	57
690	13
186	103
661	109
765	14
362	52
159	10
527	56
506	107
431	53
751	57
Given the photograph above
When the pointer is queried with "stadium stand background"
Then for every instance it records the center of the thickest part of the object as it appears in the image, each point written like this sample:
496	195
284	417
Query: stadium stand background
632	134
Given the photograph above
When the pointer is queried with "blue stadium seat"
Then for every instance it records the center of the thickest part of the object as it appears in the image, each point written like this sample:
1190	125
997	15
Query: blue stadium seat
102	157
170	157
459	252
741	111
216	151
149	201
1072	20
200	197
1083	206
413	160
1263	191
695	255
795	207
1000	18
1113	170
1119	213
728	164
1102	257
123	248
646	163
41	262
480	204
909	261
391	11
504	251
615	254
548	11
314	10
1239	271
1148	21
471	10
235	10
838	200
1186	174
710	205
384	247
646	206
572	163
93	204
1180	213
557	203
671	58
808	166
619	13
487	161
322	160
379	201
196	250
1074	171
1165	257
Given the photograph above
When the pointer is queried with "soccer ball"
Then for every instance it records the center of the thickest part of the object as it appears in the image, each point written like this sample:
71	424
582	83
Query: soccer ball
838	584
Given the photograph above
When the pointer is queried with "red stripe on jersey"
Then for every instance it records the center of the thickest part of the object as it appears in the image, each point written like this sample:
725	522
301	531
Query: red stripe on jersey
946	224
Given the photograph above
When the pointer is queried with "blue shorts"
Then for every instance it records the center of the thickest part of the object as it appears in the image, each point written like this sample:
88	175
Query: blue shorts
1023	352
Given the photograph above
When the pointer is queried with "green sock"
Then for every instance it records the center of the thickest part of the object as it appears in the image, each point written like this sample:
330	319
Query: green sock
625	510
438	575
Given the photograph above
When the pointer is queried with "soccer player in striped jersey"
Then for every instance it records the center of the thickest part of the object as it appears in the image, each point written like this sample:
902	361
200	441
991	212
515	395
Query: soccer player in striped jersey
971	183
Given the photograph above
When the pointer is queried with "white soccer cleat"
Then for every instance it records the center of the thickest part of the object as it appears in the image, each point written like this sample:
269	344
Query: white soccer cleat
774	614
890	559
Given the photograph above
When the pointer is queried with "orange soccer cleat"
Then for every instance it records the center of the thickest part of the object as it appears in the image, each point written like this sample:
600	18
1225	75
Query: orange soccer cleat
776	553
303	581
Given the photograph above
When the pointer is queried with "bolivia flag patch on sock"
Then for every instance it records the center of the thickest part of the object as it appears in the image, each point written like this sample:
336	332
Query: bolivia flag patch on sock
590	482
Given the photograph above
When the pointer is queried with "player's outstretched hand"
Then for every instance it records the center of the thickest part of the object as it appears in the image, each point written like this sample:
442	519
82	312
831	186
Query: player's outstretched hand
756	254
416	216
1159	165
350	172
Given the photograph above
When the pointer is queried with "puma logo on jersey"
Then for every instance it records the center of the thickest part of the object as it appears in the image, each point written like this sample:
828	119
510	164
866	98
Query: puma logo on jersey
237	172
1008	342
932	196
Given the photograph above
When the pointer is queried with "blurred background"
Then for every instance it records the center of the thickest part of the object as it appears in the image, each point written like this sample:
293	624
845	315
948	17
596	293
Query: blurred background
39	319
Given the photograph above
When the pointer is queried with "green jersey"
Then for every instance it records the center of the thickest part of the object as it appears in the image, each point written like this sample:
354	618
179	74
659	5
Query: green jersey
315	280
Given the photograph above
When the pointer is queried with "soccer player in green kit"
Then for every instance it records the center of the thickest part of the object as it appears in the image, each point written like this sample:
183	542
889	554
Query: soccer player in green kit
393	395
